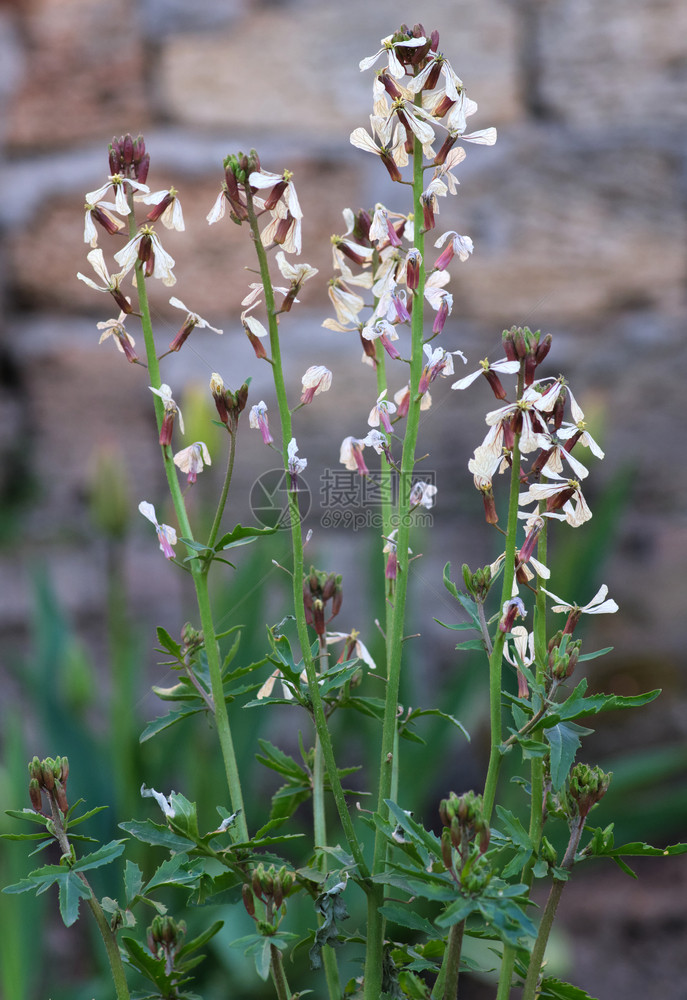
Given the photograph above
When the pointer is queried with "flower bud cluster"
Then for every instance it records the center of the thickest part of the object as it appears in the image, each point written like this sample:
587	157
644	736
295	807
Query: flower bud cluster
165	937
318	589
586	786
50	776
478	583
229	404
563	656
128	157
463	819
270	886
520	344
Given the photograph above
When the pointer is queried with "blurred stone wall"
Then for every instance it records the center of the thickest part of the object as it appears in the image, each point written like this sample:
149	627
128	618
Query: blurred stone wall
578	218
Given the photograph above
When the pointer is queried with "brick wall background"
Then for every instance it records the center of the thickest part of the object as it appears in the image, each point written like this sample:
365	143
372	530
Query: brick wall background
578	217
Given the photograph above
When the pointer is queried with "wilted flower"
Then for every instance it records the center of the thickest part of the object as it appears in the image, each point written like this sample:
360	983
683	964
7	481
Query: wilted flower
354	646
316	379
258	420
396	68
166	535
422	495
381	411
110	282
192	321
351	455
460	246
171	411
167	208
439	362
123	339
191	459
523	643
296	465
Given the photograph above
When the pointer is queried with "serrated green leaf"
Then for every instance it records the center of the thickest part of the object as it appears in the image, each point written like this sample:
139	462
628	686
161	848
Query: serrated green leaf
71	892
156	834
554	989
103	856
171	872
133	881
165	721
197	942
168	643
278	761
406	916
460	910
564	742
29	814
417	833
71	823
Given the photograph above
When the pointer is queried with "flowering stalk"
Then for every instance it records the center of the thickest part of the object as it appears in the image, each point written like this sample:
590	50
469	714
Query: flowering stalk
297	545
375	922
198	570
496	657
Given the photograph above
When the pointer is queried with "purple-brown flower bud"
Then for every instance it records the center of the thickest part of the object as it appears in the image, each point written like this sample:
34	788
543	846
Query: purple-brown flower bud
142	168
248	900
35	795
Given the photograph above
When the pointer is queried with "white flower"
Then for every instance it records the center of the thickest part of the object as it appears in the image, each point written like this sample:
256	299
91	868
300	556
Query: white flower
110	282
375	439
192	319
296	465
422	494
100	212
597	606
283	190
163	802
504	367
564	495
452	82
258	420
388	45
190	460
351	455
167	210
391	147
460	246
354	646
116	182
166	535
123	339
165	394
381	411
252	324
315	380
146	246
439	362
266	689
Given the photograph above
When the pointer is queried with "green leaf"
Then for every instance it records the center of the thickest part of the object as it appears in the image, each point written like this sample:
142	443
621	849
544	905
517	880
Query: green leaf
171	872
564	742
168	643
406	916
277	760
472	644
197	942
456	912
458	627
71	823
165	721
71	892
554	989
241	536
133	882
103	856
28	814
417	833
156	834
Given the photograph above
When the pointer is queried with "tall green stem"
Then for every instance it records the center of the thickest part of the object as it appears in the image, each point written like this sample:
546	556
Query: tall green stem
549	913
375	922
297	547
199	574
496	658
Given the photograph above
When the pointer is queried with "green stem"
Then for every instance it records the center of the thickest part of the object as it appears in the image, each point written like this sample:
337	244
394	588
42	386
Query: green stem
375	926
331	968
549	913
111	947
452	964
278	974
297	547
226	742
496	658
198	571
214	530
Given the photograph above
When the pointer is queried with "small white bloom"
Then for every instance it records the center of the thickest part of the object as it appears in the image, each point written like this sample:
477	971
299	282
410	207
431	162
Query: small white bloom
296	465
166	535
190	460
422	494
351	455
117	183
388	45
503	366
192	318
162	262
354	646
168	208
315	380
597	606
